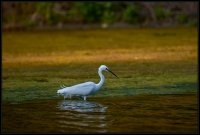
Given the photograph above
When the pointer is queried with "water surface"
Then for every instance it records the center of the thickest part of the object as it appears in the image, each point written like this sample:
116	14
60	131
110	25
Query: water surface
125	114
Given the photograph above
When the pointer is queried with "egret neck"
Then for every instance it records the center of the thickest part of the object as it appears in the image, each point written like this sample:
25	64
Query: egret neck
98	86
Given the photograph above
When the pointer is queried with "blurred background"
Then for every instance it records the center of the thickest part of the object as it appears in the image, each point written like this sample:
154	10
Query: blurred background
98	14
150	46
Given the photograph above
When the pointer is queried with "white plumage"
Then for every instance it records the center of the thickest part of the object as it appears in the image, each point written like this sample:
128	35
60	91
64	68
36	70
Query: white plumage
84	89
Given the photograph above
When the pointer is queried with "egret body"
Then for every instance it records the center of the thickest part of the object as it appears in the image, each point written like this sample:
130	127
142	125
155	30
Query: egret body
87	88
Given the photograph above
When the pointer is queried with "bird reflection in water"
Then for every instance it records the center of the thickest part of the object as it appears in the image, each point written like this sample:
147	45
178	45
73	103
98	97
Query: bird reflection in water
81	106
81	114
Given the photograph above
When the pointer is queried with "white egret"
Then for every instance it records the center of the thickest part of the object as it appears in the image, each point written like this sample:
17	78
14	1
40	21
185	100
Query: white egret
85	89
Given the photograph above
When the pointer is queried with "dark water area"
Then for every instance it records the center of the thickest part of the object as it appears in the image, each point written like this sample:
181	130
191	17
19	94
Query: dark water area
125	114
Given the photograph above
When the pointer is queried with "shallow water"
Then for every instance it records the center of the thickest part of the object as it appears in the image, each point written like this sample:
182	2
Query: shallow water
135	114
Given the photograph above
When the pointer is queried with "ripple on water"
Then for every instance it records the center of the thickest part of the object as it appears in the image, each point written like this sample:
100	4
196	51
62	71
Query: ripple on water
81	106
82	115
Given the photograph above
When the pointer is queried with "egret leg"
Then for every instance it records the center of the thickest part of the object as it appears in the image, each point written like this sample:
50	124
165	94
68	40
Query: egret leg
65	97
84	98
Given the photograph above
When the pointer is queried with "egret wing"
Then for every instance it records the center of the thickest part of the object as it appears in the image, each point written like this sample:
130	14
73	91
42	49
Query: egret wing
79	89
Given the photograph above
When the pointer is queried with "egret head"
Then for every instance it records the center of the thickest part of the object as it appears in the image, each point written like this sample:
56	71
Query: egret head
104	67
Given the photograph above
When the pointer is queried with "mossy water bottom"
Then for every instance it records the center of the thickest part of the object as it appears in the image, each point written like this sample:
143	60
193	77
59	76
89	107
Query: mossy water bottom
125	114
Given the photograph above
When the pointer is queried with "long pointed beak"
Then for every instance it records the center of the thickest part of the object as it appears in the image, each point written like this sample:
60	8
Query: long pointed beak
112	73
